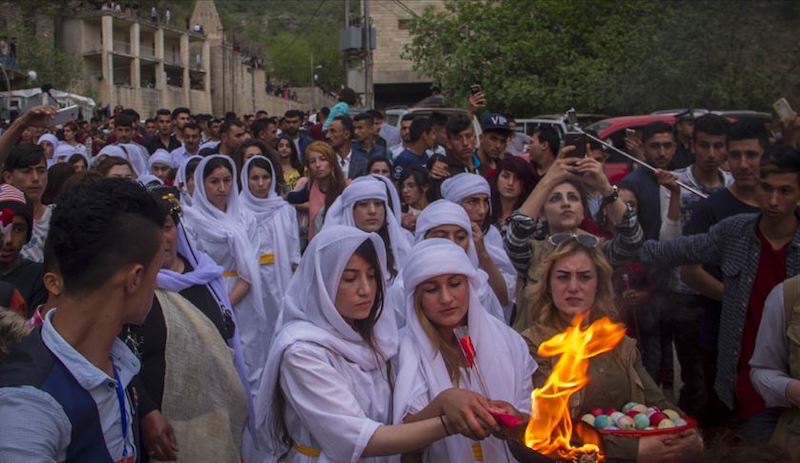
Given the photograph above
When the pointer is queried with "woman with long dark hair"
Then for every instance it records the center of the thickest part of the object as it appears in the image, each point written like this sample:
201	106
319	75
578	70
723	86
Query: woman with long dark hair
512	184
289	159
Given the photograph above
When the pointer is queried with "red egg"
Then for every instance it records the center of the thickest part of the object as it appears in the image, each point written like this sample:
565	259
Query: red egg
632	413
609	411
597	411
656	418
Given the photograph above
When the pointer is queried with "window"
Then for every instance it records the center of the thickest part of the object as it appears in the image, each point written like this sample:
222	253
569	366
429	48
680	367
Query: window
404	24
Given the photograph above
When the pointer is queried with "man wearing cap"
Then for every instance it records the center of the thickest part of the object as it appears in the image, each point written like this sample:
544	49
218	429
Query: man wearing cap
16	226
493	142
684	129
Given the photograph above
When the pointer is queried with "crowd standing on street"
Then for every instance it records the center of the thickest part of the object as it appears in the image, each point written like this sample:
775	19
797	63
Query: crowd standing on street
187	287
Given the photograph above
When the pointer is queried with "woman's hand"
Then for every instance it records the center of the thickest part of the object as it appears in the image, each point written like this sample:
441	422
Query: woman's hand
669	448
515	433
592	175
159	437
632	297
467	413
409	221
477	237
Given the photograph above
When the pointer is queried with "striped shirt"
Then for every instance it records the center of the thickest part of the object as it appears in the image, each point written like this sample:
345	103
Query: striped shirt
624	247
733	245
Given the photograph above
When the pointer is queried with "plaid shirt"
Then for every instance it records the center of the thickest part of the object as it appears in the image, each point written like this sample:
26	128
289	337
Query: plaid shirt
733	245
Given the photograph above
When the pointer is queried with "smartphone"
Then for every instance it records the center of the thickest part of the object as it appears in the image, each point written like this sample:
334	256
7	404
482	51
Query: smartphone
784	110
64	115
579	141
474	89
630	133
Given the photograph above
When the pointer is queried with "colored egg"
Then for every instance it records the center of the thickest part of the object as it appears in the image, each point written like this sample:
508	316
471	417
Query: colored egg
596	411
671	414
612	428
641	421
602	421
666	423
616	416
656	418
639	408
649	428
626	422
588	419
628	407
632	413
680	422
610	411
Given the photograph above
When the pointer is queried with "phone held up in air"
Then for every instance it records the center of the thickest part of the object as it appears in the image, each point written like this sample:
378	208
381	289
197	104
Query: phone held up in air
474	89
579	141
64	115
784	110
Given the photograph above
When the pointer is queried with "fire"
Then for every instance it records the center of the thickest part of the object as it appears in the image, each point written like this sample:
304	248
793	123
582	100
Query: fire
550	428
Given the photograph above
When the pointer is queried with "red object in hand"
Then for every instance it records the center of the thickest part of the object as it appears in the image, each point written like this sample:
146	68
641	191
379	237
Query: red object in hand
469	350
507	421
597	411
656	418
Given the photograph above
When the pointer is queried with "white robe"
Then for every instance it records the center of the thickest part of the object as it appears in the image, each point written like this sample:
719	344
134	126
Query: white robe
229	241
502	357
275	230
334	384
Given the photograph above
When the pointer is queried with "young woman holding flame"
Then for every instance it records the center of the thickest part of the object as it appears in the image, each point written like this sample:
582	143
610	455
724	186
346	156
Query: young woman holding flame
575	281
441	296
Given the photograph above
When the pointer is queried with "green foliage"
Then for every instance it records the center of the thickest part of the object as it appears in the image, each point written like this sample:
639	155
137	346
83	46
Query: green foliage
622	56
34	52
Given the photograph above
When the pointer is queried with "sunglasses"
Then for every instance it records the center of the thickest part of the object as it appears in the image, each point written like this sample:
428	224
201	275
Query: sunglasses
587	241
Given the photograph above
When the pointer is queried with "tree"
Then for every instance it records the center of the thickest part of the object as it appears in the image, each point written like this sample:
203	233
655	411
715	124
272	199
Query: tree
617	57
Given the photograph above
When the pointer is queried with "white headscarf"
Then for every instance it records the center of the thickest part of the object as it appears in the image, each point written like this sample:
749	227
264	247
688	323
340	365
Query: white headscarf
65	151
50	138
444	212
267	212
137	156
309	314
149	180
181	181
461	186
159	156
363	188
394	197
502	354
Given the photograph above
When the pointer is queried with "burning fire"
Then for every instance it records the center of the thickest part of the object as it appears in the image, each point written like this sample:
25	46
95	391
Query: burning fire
550	428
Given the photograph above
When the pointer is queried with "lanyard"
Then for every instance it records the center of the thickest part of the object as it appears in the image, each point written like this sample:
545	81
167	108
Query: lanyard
123	413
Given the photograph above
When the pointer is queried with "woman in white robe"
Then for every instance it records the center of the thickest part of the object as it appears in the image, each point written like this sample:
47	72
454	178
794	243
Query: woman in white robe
184	179
445	219
440	294
276	227
364	204
215	225
473	193
326	394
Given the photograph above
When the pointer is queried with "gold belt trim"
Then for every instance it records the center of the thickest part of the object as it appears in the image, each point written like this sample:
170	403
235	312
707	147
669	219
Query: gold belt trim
308	451
477	451
230	274
266	259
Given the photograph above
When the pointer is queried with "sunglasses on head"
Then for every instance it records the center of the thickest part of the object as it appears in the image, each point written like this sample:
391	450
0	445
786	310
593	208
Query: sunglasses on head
587	241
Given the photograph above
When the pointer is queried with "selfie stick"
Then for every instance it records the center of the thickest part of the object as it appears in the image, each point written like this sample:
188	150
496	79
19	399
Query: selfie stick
569	119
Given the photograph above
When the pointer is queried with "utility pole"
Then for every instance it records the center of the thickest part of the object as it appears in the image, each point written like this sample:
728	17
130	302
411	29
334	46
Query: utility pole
367	28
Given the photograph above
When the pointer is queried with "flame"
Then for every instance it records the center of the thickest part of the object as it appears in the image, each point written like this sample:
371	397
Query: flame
549	430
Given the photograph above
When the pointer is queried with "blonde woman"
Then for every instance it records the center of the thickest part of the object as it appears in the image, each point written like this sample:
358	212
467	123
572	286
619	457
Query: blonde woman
575	279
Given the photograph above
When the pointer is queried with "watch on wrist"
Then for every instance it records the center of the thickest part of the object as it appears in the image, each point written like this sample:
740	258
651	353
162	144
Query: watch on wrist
611	196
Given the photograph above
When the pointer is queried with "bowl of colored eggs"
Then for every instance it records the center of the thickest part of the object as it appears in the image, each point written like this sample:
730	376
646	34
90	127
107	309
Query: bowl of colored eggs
638	420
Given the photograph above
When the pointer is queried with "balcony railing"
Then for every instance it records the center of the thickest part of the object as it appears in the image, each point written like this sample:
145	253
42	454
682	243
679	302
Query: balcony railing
122	47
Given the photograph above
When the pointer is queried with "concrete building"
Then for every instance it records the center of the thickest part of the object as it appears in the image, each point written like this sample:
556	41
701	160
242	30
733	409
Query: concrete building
394	80
135	63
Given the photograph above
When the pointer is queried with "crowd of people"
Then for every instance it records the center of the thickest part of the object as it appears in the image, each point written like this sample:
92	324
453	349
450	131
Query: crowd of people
296	288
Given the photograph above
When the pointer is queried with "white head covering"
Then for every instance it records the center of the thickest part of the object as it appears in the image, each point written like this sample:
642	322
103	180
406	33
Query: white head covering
136	155
309	314
50	138
159	156
444	212
362	188
461	186
394	197
148	180
181	182
499	349
111	150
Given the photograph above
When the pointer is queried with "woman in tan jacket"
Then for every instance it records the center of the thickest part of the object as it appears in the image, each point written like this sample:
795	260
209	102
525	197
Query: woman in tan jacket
575	279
